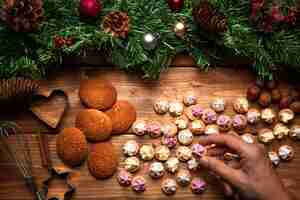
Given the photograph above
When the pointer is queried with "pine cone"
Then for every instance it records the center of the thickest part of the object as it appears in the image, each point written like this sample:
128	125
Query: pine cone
209	18
116	23
22	15
17	90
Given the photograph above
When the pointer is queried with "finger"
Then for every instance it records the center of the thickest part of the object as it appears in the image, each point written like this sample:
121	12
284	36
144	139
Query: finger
234	164
218	167
229	141
227	189
236	197
218	151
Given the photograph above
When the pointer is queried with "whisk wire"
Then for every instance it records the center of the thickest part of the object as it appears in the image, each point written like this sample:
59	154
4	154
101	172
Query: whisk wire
18	150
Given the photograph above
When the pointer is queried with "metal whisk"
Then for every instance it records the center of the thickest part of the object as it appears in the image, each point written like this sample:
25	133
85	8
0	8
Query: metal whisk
13	141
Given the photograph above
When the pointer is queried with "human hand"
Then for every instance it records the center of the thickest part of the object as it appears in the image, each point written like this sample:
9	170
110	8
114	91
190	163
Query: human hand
252	177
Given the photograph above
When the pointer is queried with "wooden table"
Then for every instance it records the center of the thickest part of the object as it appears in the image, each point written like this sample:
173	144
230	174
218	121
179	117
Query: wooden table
228	83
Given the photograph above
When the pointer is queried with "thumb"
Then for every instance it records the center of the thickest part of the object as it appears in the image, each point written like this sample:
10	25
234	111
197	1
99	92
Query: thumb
229	174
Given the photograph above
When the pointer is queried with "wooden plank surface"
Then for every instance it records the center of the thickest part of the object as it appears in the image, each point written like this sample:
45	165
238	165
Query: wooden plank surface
228	83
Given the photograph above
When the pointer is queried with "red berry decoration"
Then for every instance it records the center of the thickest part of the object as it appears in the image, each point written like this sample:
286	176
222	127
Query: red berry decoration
90	8
59	42
176	5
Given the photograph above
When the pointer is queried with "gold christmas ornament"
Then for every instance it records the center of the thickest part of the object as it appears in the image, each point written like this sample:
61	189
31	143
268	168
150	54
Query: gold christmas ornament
117	23
180	29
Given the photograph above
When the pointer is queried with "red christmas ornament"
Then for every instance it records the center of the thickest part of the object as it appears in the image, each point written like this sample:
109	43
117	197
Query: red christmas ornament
291	18
176	5
277	14
256	5
268	24
90	8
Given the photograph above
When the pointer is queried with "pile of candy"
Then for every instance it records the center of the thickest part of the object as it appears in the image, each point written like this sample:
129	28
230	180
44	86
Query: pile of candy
189	120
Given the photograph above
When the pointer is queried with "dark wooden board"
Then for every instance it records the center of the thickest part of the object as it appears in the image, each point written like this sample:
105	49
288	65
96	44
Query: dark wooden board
228	83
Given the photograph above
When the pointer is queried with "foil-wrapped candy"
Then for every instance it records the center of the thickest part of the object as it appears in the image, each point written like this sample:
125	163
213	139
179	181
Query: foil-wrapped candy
193	164
172	165
241	105
239	122
131	148
274	158
132	164
286	152
280	130
194	112
224	122
295	132
198	150
138	184
211	129
265	135
182	122
154	129
197	127
185	137
198	186
147	152
286	115
169	186
156	170
218	105
183	177
162	153
176	108
190	98
209	116
268	115
124	178
183	153
253	116
248	138
161	106
139	127
169	129
170	142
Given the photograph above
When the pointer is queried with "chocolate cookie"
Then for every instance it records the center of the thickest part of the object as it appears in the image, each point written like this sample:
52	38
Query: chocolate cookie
103	160
96	125
98	94
123	115
71	146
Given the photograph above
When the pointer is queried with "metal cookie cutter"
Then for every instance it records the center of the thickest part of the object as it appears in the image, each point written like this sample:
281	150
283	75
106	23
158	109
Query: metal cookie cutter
70	178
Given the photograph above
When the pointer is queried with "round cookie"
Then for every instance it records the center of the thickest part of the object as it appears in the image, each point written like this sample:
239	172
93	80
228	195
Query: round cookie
103	160
123	115
98	94
96	125
71	146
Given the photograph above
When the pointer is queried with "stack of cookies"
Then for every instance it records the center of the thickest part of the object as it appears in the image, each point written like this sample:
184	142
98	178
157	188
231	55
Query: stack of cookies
103	117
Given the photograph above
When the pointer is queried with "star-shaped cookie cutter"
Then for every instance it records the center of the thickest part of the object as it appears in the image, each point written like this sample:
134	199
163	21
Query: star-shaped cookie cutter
70	178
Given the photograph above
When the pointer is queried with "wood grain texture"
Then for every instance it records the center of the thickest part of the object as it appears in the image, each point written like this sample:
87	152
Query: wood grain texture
228	83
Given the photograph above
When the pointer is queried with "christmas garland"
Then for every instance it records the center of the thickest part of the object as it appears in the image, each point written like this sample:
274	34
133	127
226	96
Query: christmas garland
143	35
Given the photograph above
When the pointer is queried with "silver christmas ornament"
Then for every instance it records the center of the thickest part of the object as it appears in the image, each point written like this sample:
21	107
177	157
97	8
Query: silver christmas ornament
150	41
